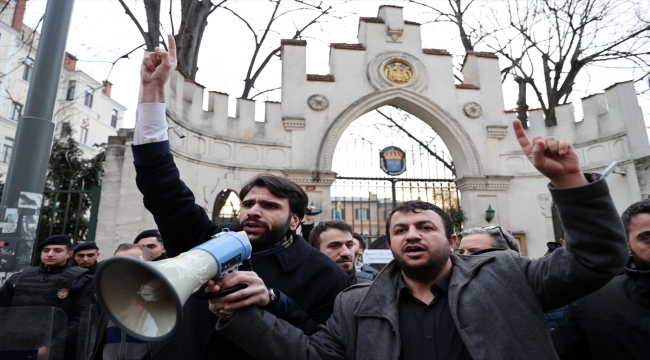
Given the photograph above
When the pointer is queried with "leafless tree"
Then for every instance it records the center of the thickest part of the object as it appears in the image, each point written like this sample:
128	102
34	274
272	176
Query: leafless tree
563	37
549	42
456	13
301	14
194	19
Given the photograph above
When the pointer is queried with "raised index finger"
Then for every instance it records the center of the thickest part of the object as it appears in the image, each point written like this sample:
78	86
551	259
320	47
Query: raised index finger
172	47
523	139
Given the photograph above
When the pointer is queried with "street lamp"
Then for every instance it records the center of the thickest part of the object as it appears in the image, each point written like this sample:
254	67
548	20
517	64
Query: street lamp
489	214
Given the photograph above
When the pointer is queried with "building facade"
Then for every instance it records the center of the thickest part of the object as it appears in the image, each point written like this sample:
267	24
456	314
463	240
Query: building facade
82	102
388	66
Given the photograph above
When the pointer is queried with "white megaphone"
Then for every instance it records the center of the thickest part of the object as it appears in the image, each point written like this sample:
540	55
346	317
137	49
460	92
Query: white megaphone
145	299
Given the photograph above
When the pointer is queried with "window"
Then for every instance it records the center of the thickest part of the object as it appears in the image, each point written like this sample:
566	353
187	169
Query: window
63	133
114	118
83	134
7	148
16	111
28	69
72	85
338	214
88	98
362	214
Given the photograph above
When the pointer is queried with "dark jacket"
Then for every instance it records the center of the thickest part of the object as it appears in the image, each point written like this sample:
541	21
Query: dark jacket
307	278
369	271
65	287
612	323
496	299
356	279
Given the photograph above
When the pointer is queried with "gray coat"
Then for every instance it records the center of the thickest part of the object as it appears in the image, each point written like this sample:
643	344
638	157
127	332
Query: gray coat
497	299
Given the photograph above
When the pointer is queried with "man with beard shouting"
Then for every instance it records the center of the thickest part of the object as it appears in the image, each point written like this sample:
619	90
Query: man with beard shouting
285	275
431	304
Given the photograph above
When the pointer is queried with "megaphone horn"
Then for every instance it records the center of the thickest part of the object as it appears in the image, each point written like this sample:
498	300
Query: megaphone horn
145	299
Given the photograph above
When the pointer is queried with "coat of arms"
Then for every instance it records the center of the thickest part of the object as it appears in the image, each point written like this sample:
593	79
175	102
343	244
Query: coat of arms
392	160
399	72
62	293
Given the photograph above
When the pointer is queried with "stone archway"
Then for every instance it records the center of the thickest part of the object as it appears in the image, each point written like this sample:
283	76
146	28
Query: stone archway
459	143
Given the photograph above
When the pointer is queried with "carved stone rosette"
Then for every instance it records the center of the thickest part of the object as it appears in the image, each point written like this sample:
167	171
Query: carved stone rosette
318	102
473	110
381	71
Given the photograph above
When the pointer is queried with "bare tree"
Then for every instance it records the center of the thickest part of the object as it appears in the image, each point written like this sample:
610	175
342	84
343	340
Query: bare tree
311	13
455	14
549	42
566	36
194	19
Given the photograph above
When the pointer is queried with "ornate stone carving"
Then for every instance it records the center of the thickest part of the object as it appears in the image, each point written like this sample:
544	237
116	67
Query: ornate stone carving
472	110
291	123
497	131
318	102
392	69
399	72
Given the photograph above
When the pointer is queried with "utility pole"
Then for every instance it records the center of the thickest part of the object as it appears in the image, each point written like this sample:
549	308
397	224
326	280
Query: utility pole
23	191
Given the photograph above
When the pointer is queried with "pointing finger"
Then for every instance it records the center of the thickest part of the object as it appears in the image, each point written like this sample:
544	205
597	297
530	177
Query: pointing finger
522	138
172	49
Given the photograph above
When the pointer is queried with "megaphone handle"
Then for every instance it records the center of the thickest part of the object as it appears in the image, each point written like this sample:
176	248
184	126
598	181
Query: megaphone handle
220	293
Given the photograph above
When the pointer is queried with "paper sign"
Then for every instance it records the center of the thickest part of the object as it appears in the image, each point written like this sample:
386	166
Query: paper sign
8	228
30	200
377	256
11	216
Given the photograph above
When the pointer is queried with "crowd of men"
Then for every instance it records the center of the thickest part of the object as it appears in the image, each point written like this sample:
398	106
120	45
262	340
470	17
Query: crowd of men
445	296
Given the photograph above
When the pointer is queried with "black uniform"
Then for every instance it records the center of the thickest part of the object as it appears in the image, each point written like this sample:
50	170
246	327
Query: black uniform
68	288
611	323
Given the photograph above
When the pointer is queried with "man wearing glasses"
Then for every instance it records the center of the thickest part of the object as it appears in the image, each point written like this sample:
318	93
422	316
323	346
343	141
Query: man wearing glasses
431	304
491	237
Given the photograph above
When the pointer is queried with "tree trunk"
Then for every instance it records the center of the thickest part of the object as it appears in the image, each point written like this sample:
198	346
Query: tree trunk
188	39
522	107
152	38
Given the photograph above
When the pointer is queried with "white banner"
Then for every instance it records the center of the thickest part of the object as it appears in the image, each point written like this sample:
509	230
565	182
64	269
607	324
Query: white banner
377	256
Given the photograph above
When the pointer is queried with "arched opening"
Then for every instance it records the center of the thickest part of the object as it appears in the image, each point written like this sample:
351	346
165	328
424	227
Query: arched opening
226	207
458	142
365	192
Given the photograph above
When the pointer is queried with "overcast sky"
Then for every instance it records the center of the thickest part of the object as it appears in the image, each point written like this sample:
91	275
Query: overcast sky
101	32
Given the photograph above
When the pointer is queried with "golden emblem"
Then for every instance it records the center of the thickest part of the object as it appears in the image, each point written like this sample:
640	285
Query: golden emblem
62	293
399	72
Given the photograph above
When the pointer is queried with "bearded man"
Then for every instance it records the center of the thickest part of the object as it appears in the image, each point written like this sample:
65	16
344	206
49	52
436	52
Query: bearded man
431	304
285	275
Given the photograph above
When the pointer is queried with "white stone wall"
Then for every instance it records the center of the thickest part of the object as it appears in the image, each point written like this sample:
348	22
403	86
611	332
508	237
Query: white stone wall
298	139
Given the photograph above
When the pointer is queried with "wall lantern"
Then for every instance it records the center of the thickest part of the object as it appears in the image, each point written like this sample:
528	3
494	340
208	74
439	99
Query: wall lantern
489	214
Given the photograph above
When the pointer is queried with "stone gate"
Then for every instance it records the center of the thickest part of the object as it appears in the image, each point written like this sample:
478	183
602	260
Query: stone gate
388	66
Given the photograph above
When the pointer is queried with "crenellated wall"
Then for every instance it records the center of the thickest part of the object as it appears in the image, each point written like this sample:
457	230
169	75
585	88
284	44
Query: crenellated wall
298	136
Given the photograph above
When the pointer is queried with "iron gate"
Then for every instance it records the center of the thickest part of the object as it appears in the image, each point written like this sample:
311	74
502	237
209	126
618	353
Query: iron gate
363	195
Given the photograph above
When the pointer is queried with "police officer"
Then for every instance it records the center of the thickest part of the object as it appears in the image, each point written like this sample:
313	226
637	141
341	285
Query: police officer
86	254
53	283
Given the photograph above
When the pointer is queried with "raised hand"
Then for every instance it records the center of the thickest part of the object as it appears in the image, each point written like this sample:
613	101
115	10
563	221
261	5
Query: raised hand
554	158
156	69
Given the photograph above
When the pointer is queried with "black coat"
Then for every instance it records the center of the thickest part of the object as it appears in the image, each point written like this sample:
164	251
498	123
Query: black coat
309	278
612	323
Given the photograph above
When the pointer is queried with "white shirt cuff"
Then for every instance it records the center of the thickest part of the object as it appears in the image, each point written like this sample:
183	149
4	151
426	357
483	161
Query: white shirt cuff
150	124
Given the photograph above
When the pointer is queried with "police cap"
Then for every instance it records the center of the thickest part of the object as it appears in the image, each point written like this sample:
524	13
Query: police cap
147	234
85	245
56	240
